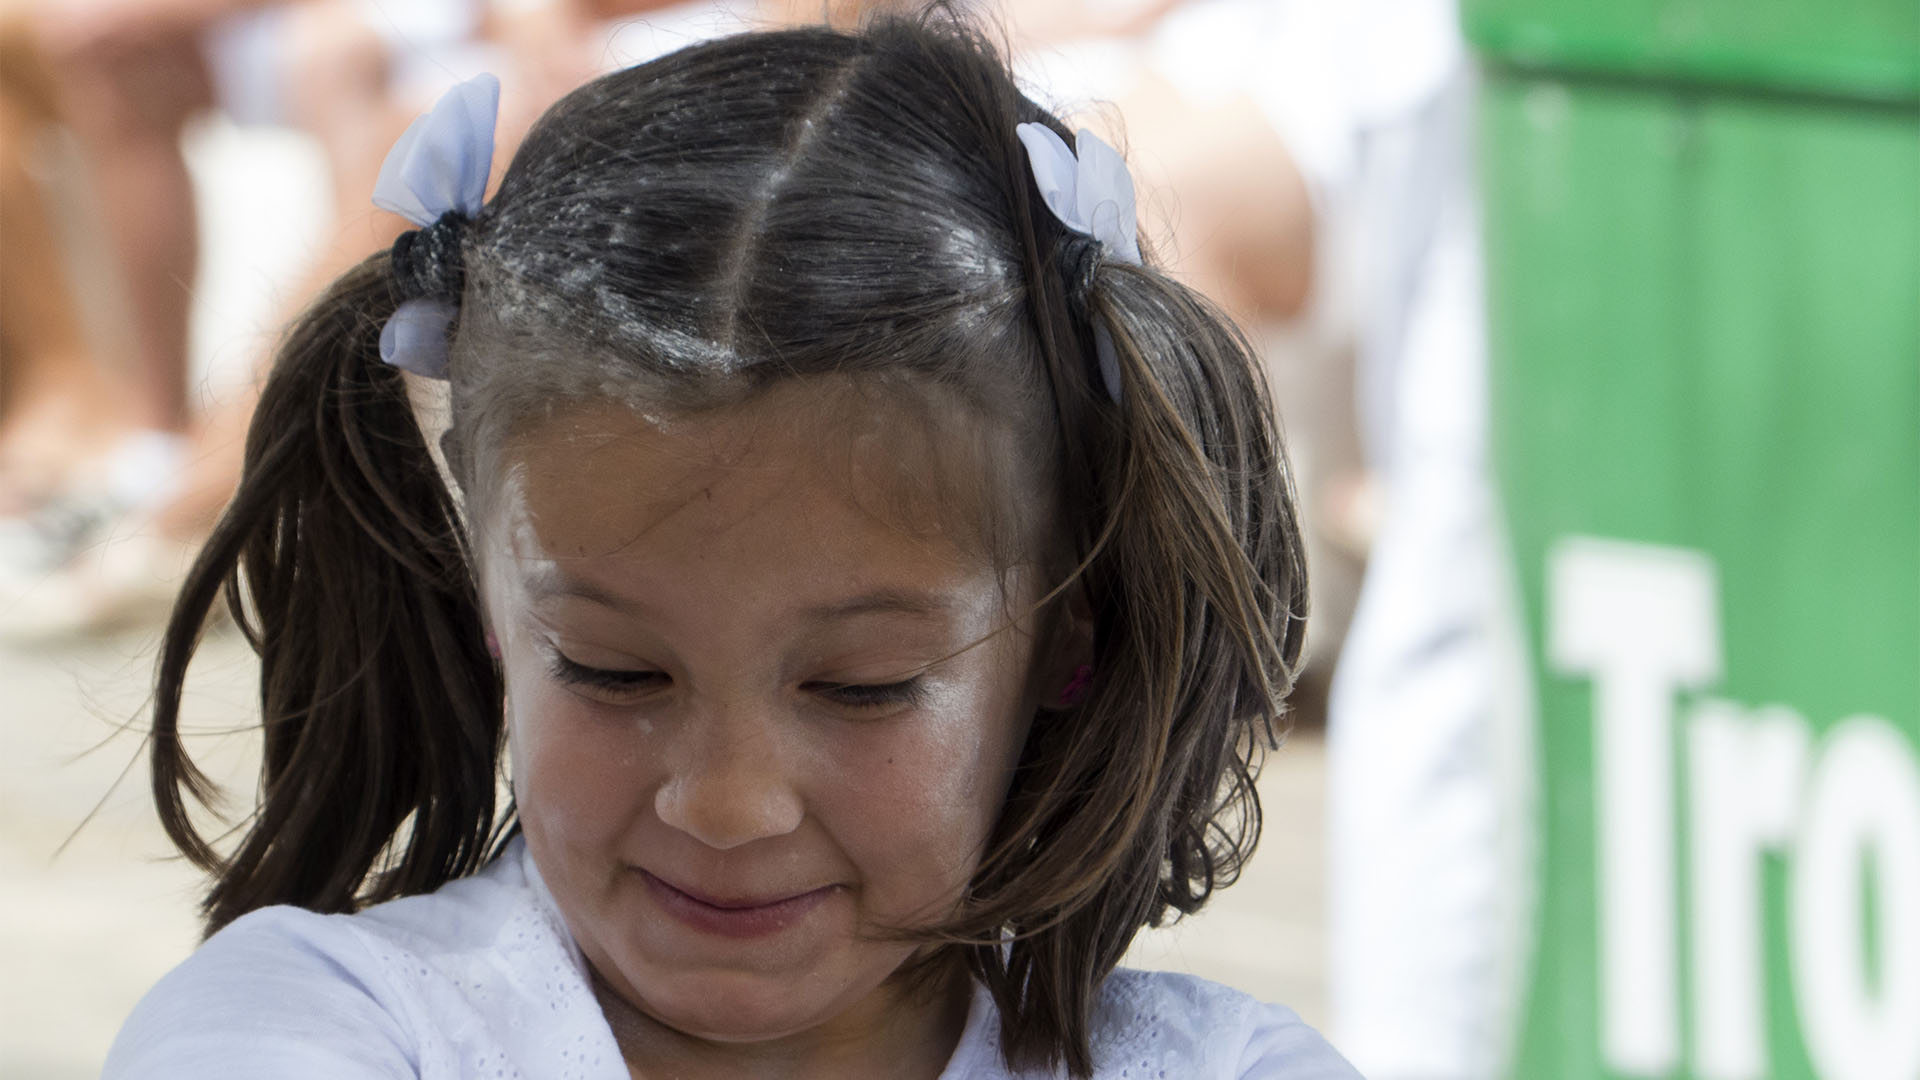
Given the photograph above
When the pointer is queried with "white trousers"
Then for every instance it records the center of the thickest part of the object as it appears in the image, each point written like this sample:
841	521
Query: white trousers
1427	747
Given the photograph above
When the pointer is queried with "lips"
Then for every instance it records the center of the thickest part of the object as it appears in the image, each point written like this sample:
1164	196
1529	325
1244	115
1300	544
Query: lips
734	917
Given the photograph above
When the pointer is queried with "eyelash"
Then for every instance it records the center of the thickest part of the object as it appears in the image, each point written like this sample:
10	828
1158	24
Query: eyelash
568	671
875	695
854	695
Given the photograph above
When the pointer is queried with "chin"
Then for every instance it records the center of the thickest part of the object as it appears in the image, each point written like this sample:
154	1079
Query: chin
745	1009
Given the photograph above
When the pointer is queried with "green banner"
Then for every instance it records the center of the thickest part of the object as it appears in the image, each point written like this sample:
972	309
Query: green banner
1705	335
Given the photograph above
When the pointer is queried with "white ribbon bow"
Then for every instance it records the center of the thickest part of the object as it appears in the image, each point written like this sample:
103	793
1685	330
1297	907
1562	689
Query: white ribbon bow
441	164
1091	192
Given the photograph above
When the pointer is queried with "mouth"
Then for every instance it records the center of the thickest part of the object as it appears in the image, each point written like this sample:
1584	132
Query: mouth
734	917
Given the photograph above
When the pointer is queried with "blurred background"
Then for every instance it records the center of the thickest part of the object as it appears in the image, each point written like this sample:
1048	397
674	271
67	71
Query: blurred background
1594	328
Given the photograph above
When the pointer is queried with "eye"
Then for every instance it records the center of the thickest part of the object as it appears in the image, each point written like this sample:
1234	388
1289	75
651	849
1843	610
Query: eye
871	695
616	681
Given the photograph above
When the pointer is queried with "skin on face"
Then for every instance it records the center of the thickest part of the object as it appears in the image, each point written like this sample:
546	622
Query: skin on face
751	657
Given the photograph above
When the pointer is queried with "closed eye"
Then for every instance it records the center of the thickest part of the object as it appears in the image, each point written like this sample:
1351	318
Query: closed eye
871	695
578	674
854	695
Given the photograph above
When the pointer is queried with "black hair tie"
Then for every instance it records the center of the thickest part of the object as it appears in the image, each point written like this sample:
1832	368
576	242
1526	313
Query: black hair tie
1079	260
427	262
1079	257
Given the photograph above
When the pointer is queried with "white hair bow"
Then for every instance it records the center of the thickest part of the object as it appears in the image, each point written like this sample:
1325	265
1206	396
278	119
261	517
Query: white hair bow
1091	192
439	166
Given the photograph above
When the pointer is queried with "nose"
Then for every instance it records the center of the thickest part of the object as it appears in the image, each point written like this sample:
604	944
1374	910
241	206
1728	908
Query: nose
730	784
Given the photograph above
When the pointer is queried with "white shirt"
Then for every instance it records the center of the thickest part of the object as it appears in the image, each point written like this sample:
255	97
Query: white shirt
481	979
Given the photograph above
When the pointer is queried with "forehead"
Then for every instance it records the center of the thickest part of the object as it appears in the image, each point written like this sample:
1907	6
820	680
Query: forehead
846	478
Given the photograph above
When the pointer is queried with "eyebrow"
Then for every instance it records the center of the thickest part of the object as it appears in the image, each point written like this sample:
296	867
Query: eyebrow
883	601
546	583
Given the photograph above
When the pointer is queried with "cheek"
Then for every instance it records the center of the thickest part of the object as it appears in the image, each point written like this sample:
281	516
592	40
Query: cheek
577	772
916	807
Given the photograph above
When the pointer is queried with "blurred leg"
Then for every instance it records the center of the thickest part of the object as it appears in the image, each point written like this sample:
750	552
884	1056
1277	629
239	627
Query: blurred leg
56	406
128	113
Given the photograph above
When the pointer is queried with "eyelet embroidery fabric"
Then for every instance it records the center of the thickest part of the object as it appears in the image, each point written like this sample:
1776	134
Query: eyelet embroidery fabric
1154	1025
481	979
511	999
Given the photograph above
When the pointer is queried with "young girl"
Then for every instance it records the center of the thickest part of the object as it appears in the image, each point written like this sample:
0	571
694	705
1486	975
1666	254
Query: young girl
878	579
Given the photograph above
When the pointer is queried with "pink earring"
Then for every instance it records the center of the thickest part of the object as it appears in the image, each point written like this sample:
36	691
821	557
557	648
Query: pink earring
1076	689
493	645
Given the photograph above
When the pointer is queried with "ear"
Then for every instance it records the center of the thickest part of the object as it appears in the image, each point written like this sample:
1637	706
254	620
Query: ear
486	625
1063	666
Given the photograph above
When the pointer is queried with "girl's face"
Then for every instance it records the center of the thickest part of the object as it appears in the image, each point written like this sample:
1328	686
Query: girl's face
764	697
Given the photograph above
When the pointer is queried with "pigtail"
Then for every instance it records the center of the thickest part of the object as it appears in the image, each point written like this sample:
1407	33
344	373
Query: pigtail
1191	557
343	562
1204	569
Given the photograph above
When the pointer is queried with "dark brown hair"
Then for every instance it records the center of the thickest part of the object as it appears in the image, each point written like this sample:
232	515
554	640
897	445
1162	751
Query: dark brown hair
752	209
